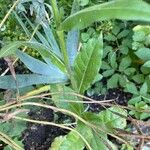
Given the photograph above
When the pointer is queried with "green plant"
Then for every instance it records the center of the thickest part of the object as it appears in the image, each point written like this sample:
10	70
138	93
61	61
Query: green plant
63	64
140	106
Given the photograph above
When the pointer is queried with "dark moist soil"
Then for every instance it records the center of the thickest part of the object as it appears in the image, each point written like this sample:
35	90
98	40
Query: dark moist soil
40	137
117	94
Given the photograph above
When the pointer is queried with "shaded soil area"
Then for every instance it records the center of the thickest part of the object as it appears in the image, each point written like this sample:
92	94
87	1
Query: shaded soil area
40	137
117	94
3	65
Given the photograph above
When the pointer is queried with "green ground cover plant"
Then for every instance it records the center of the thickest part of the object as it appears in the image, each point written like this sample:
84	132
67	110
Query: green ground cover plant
69	70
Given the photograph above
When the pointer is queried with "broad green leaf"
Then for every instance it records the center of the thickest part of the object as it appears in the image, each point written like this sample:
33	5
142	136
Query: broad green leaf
105	65
143	53
139	36
110	37
108	73
118	9
84	2
129	71
144	89
57	142
131	87
59	99
112	120
87	64
98	77
123	34
145	70
91	137
72	142
138	78
134	100
122	80
8	82
144	28
37	66
42	49
125	63
97	141
147	64
113	81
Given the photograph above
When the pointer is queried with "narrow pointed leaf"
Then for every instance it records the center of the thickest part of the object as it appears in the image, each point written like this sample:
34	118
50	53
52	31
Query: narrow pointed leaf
8	82
42	39
117	9
87	64
22	24
37	66
51	39
73	38
42	49
72	45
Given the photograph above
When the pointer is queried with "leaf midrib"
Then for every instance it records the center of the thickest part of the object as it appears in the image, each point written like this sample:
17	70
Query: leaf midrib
84	73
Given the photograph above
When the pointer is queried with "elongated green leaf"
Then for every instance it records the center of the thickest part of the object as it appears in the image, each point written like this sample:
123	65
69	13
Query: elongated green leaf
8	82
51	39
87	64
73	37
42	39
48	39
22	24
72	45
37	66
117	9
42	49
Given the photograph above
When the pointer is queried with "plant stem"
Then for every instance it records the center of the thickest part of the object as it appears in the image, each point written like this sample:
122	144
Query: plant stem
62	42
65	56
56	12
